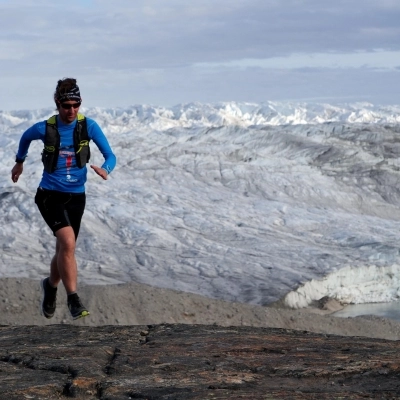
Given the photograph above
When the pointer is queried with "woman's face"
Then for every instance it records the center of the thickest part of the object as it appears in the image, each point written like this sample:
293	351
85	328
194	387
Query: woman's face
68	110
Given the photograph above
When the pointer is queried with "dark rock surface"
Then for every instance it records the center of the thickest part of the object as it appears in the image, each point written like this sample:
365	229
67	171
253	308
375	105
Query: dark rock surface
193	362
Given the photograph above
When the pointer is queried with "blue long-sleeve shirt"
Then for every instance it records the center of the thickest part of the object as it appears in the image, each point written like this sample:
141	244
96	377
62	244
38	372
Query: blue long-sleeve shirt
67	177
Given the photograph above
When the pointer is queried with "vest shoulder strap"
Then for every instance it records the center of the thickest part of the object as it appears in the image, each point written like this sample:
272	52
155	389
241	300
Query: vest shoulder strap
52	120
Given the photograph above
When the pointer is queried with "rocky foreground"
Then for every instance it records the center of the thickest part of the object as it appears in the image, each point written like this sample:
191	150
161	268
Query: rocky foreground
175	361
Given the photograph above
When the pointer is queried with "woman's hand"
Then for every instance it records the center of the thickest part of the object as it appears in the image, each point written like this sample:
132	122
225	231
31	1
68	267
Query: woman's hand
99	171
16	171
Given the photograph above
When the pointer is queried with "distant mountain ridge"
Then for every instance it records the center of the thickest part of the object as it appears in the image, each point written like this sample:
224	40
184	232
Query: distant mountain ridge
219	114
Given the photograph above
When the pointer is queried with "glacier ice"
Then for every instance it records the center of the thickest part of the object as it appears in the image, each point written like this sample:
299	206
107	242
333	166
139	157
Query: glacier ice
244	202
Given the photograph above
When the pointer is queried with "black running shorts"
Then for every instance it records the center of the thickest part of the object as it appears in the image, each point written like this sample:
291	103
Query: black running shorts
61	209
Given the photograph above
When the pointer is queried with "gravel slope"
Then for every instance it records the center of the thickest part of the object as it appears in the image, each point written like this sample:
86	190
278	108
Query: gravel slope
137	304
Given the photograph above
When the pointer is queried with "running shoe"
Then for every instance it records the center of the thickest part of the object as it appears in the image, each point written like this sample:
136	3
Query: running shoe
76	308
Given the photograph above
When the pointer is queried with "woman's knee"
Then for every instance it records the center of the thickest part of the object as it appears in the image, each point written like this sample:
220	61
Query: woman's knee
66	239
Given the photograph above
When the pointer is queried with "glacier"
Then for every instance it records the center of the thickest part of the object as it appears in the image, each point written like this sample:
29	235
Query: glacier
255	203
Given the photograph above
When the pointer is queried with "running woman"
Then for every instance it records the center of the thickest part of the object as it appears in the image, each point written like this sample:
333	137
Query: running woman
60	196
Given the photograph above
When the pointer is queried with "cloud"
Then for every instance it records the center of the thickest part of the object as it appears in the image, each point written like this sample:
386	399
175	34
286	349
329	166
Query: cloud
379	59
153	41
144	34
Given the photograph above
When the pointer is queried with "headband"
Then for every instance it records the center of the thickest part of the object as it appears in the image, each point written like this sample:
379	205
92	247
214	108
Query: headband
72	94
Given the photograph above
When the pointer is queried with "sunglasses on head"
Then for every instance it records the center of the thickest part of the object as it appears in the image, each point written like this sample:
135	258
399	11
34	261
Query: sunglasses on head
66	106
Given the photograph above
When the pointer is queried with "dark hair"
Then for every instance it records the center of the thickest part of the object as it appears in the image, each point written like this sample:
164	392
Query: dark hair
64	86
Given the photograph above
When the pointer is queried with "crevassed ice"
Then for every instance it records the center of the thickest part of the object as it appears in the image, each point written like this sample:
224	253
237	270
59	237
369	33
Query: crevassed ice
241	202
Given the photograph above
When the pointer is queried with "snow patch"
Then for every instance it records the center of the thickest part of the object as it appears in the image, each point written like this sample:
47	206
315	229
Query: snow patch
350	285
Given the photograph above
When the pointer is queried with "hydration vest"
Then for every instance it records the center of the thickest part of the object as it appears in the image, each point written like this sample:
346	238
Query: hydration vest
52	144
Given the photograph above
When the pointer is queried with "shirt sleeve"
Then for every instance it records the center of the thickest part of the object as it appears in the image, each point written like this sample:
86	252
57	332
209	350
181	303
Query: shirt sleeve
35	132
96	134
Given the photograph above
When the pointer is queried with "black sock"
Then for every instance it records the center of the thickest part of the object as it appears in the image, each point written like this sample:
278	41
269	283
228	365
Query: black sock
51	287
72	297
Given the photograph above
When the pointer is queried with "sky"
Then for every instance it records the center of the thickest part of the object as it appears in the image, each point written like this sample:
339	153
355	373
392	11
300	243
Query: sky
167	52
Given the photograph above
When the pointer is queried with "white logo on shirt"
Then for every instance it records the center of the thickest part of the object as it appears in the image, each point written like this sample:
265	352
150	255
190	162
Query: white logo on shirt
69	179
